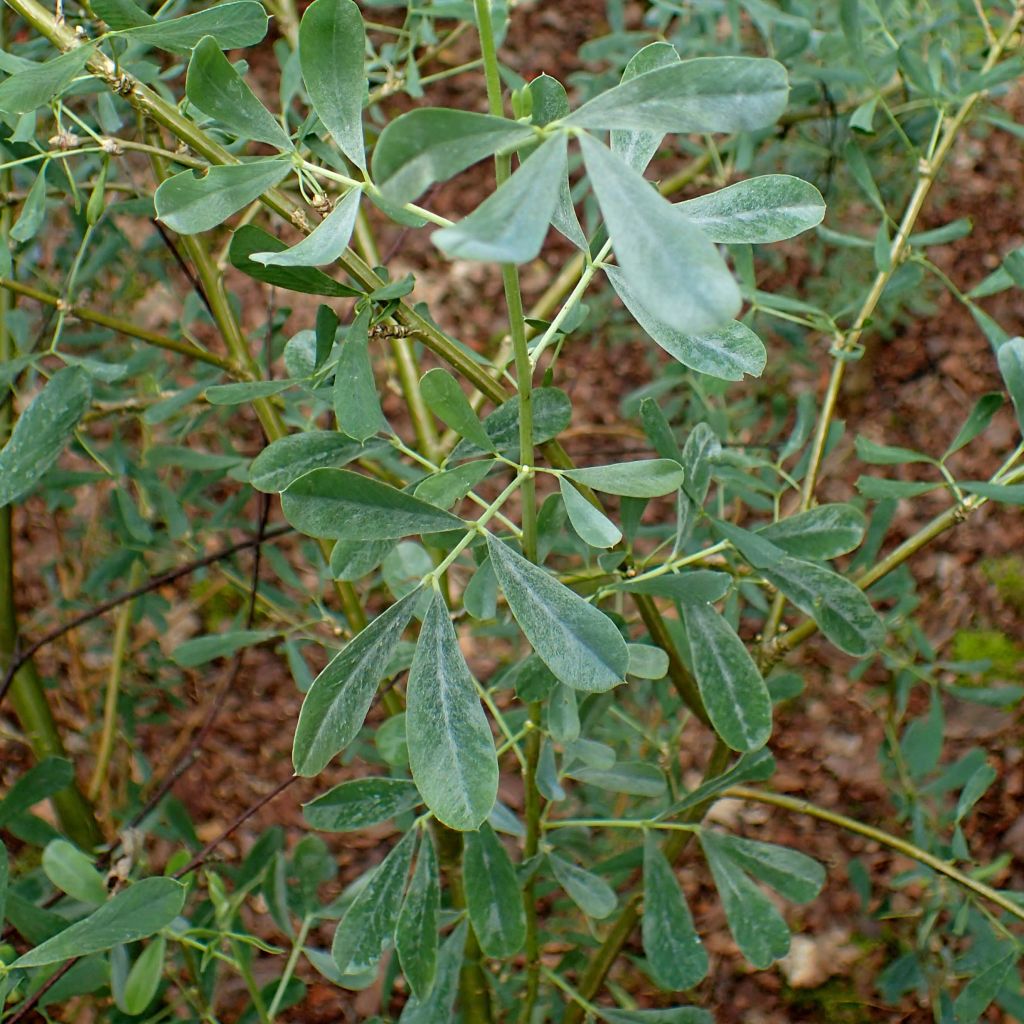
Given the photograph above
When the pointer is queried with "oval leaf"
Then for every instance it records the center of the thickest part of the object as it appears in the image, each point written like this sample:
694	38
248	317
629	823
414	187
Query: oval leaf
731	686
134	913
451	749
675	271
825	531
341	505
42	431
360	803
577	642
356	403
592	894
647	478
675	956
493	896
325	243
332	42
337	702
370	919
286	459
189	204
592	525
448	402
416	931
757	211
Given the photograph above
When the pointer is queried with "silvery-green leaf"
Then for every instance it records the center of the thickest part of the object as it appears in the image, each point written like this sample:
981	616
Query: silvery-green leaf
360	803
233	25
731	686
591	893
760	210
337	702
493	895
577	642
592	525
451	749
708	94
644	478
42	431
325	243
331	49
675	956
727	351
673	269
283	461
510	225
825	531
439	1004
369	922
416	938
189	204
356	402
217	89
38	84
1011	365
637	147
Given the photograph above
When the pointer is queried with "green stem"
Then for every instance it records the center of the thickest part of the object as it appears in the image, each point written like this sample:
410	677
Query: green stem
28	697
289	967
883	838
601	961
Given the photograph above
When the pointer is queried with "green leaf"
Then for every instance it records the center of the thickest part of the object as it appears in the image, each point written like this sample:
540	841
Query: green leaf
755	767
144	978
592	894
245	391
646	478
445	489
839	607
325	243
352	560
592	525
887	455
727	352
283	461
493	896
217	89
434	144
439	1005
757	211
825	531
552	412
755	923
659	430
5	871
979	418
451	749
356	402
233	25
326	332
974	789
416	931
448	402
1008	494
202	649
638	147
694	586
39	84
189	204
337	702
250	239
44	779
709	94
878	489
731	686
121	14
647	661
577	642
701	450
636	778
332	43
134	913
673	1015
1011	365
369	922
511	224
360	803
341	505
42	431
73	872
675	957
793	875
978	994
671	267
33	210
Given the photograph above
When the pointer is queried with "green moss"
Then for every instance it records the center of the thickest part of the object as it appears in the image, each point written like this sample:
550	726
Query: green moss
1006	574
837	1001
988	645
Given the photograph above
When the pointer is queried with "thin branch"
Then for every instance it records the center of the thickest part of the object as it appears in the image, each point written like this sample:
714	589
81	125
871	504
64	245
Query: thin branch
153	583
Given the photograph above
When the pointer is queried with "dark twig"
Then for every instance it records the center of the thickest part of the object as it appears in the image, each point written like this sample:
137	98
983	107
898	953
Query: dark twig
183	264
30	1004
153	583
201	857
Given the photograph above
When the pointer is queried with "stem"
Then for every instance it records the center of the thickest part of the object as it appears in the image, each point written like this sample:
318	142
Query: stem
28	696
122	631
289	967
884	838
602	961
